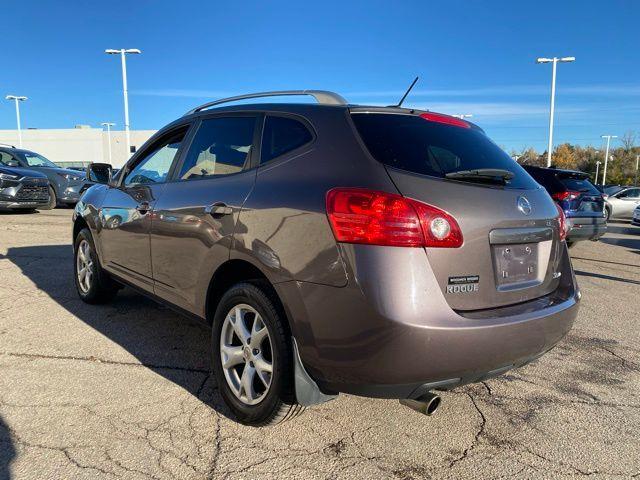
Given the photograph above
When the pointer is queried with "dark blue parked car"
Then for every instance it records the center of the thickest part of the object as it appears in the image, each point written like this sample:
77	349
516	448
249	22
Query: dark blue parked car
581	201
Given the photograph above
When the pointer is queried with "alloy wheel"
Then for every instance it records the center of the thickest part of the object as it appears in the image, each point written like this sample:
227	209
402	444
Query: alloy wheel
84	266
246	354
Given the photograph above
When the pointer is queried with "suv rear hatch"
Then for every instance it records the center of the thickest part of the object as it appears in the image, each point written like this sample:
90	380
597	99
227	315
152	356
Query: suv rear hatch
579	198
509	254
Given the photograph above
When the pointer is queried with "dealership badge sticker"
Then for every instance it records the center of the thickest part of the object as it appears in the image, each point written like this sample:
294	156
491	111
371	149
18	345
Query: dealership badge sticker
463	284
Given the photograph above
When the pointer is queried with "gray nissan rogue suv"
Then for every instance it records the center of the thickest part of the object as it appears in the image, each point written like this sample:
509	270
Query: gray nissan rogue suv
378	251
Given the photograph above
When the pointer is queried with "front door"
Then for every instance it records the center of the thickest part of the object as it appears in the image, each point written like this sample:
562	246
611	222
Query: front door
194	219
626	202
126	214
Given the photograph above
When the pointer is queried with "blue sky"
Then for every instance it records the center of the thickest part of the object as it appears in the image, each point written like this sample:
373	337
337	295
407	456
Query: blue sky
472	56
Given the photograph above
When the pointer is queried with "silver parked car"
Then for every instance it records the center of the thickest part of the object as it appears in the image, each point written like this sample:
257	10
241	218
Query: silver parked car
378	251
622	203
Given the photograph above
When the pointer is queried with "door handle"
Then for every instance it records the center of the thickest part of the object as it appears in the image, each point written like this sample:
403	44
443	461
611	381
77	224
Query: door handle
218	209
144	207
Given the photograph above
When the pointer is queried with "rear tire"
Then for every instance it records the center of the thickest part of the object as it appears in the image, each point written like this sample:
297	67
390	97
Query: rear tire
93	284
263	402
53	200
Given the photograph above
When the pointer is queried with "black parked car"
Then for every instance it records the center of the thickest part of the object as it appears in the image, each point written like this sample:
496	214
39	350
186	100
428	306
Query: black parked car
580	200
64	184
22	189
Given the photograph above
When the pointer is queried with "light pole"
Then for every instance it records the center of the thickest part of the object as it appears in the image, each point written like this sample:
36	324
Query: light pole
555	61
606	157
598	162
635	182
108	125
17	99
123	52
463	115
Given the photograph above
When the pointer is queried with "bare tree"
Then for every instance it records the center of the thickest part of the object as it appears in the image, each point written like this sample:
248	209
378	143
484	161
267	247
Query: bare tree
628	141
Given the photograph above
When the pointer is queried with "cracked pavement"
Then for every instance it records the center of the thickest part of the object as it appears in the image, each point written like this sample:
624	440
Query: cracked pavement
124	391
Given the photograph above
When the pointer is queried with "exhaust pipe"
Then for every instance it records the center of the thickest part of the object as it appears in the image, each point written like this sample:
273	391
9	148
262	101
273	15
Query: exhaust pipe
426	404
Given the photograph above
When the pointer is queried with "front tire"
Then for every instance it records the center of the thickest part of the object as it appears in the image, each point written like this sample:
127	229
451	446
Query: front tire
53	200
252	356
93	284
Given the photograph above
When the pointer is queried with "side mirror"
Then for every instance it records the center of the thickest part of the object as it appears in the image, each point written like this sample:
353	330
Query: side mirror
12	163
99	173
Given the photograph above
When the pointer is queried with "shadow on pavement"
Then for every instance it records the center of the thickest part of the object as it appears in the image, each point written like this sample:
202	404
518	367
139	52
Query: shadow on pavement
7	451
169	344
606	277
630	230
632	243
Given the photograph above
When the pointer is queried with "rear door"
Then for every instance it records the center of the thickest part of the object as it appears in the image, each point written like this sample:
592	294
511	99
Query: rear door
194	219
511	250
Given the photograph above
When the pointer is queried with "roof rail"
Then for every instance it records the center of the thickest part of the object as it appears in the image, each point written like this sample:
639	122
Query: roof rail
323	97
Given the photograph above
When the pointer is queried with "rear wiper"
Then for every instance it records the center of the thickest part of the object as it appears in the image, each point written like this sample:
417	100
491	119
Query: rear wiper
498	175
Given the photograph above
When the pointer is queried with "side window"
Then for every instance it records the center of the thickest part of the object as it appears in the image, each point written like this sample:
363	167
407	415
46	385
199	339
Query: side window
155	166
281	135
631	193
221	146
5	158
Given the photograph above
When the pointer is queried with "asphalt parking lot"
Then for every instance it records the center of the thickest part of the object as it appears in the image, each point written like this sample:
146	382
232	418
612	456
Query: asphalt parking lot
123	390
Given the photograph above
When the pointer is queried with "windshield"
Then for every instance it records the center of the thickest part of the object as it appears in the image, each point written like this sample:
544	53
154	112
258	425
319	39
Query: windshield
612	190
411	143
36	160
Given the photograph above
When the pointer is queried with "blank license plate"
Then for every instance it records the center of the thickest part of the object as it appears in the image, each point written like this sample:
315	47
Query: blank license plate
515	264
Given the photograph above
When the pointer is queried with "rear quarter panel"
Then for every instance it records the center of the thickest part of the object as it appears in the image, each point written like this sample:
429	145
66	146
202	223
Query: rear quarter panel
283	224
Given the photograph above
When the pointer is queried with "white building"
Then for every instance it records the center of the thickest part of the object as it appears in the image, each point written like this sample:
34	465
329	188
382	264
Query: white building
77	146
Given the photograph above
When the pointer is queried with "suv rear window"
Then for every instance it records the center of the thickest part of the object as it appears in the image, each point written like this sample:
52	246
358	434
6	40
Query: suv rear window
579	185
411	143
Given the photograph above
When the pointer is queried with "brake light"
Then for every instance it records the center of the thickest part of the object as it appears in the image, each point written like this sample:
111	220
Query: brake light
446	119
562	223
371	217
568	195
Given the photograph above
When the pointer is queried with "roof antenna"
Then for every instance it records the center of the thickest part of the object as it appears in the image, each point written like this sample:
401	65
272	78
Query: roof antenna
407	92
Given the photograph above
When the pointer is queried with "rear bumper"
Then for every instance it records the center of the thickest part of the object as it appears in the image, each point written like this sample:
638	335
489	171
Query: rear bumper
586	228
375	339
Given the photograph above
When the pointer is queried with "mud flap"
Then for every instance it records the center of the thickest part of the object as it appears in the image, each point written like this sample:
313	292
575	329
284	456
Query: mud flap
307	391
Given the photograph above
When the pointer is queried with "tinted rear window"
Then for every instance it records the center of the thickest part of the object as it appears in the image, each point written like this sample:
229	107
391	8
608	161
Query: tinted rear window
579	185
282	135
411	143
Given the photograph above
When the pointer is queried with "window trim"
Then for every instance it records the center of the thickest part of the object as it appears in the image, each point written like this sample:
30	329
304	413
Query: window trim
149	146
254	152
299	118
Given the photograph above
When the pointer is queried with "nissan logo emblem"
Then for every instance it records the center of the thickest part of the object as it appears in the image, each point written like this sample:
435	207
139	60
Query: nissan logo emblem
524	205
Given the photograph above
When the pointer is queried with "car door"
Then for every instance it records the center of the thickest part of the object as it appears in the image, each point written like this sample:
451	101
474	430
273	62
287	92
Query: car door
194	219
625	202
126	212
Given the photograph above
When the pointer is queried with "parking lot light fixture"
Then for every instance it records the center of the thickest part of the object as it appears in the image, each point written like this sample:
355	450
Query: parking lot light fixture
17	99
606	157
554	61
123	53
108	125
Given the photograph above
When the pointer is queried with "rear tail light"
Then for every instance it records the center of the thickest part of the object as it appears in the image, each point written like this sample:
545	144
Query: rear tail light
446	119
378	218
568	195
562	223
